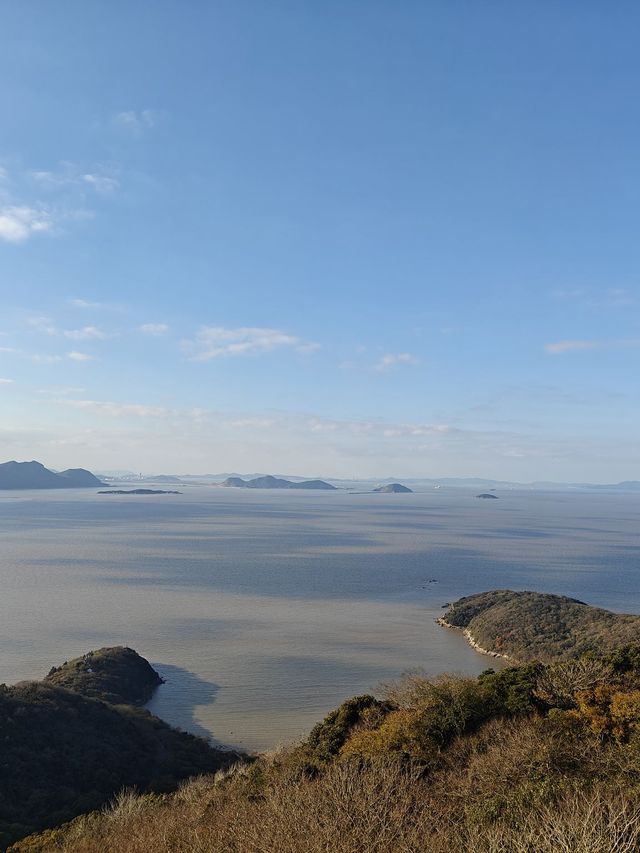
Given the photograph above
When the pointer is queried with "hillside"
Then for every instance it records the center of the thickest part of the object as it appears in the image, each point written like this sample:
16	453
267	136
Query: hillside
33	475
116	674
63	753
531	758
270	482
526	626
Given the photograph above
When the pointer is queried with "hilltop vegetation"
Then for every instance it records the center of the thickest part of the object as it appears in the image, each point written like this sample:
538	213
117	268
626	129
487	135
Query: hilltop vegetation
532	758
116	674
65	751
526	626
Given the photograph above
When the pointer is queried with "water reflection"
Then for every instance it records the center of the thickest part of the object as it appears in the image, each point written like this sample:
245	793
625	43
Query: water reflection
178	698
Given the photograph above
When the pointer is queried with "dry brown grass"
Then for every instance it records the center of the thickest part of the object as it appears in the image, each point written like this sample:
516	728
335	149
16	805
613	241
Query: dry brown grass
521	784
379	807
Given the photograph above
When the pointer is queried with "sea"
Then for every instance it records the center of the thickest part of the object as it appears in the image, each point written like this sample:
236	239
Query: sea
263	610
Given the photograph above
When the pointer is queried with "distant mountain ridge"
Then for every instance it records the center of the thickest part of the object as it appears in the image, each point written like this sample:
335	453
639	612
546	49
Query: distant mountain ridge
33	475
270	482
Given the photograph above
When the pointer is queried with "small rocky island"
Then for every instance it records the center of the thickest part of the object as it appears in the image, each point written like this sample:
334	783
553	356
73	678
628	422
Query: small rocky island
486	495
115	674
394	488
138	492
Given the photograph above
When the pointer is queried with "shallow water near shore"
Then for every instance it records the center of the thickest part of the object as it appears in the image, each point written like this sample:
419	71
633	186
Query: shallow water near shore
264	610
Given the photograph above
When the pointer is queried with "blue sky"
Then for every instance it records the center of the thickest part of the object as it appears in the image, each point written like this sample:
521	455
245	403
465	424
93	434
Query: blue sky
344	239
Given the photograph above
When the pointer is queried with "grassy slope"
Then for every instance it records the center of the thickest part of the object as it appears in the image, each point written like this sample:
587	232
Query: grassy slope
485	765
536	626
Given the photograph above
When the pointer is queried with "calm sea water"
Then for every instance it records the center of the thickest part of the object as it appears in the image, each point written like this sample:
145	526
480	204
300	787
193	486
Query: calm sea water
263	610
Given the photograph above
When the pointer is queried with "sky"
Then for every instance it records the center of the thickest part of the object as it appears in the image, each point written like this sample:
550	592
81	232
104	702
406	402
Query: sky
343	239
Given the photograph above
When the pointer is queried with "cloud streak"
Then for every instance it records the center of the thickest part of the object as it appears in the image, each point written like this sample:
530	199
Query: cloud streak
154	329
116	410
74	355
20	222
562	347
213	342
86	333
391	360
135	122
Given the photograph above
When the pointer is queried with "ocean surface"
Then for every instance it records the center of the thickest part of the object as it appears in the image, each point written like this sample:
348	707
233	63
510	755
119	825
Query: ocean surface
264	610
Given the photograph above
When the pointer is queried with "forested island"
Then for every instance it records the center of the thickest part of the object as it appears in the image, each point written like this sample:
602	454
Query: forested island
524	626
539	756
393	488
270	482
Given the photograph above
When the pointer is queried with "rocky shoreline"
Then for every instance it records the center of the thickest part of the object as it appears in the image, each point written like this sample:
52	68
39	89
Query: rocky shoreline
471	639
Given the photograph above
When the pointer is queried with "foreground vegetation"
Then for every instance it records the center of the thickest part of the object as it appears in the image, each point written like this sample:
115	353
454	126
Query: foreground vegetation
525	626
534	758
63	753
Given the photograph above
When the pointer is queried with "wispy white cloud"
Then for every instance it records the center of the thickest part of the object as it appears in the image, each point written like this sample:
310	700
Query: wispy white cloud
391	360
19	222
99	183
608	297
136	122
85	303
216	341
42	324
79	356
562	347
92	305
60	390
116	410
73	175
86	333
6	381
154	329
40	358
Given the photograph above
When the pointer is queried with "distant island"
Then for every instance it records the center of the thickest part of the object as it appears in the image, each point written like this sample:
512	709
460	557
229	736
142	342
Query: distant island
138	492
33	475
393	488
525	626
270	482
486	495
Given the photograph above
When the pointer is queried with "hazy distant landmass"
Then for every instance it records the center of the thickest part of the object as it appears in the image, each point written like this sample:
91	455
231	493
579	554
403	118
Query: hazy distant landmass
33	475
270	482
393	488
139	492
486	496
